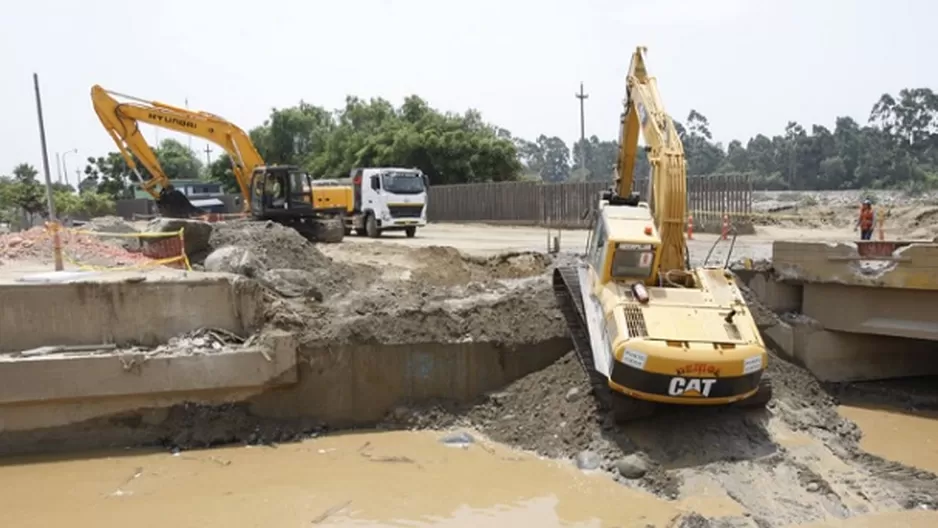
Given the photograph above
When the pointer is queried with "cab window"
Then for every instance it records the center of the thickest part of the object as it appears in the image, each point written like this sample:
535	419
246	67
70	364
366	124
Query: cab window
633	260
257	184
597	252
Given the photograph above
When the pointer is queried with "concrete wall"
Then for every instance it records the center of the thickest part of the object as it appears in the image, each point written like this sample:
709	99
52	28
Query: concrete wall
342	386
115	311
838	357
848	333
356	384
58	377
912	266
880	311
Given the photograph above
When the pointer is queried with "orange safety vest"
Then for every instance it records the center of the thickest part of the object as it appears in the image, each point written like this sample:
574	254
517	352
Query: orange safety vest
866	219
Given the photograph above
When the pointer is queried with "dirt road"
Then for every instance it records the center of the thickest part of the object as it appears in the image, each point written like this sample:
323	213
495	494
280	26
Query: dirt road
486	240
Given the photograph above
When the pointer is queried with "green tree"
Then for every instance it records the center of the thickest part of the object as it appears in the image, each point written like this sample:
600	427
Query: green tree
556	159
598	158
220	171
448	147
178	161
109	175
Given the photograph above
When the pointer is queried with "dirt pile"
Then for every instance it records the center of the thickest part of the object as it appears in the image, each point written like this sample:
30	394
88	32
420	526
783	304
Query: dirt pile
554	413
901	220
439	266
283	259
447	266
85	249
412	312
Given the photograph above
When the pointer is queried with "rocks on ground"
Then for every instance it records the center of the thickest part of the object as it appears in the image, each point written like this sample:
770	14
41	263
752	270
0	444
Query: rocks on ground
196	233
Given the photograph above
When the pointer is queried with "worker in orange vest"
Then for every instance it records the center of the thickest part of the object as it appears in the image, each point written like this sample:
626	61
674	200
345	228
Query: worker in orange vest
866	221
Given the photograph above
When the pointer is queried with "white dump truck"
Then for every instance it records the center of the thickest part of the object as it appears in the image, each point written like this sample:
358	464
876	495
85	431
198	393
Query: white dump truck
387	199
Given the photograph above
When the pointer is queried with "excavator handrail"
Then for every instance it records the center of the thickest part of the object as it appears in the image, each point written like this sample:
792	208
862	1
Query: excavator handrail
121	119
644	113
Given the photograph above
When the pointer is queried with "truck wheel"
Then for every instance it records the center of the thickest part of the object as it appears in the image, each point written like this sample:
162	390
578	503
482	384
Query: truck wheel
411	231
371	226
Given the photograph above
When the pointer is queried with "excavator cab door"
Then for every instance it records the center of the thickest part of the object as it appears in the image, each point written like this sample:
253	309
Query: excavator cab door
258	196
300	189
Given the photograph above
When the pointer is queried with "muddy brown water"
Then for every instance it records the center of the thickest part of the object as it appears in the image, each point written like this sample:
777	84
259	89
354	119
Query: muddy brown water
372	479
356	479
909	438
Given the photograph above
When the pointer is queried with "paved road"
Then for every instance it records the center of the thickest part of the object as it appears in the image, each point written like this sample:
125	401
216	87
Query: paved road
484	239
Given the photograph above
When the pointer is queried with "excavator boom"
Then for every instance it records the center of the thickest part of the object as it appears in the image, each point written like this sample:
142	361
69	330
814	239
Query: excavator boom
121	120
644	112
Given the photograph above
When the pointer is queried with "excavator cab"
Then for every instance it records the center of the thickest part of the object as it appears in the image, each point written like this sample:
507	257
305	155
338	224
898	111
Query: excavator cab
284	194
280	191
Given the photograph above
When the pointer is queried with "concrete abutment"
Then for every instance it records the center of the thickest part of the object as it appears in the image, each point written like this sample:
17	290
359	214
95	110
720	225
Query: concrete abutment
851	316
55	399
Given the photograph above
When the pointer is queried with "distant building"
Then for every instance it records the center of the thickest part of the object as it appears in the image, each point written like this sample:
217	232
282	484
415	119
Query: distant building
206	195
194	189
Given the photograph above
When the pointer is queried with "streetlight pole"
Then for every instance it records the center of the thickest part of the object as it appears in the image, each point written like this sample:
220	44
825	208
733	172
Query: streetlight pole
64	166
58	167
56	241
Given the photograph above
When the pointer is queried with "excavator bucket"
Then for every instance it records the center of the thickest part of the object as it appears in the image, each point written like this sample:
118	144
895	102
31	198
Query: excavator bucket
172	203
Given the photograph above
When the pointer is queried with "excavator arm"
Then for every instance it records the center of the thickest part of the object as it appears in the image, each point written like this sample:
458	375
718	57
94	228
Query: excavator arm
121	120
644	112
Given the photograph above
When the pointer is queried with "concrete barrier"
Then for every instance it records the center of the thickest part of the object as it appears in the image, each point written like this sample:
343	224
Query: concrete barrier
123	308
344	386
839	357
59	377
845	332
909	266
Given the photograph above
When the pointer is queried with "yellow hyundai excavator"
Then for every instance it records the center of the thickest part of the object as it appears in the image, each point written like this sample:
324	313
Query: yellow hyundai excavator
282	193
649	329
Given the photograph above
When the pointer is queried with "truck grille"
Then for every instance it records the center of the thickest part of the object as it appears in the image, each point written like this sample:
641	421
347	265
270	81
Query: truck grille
405	211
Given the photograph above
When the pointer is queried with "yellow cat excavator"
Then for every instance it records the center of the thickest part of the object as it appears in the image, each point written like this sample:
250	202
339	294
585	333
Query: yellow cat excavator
649	329
282	193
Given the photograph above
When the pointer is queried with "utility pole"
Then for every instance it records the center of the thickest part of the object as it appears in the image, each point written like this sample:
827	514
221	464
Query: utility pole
582	96
208	155
56	241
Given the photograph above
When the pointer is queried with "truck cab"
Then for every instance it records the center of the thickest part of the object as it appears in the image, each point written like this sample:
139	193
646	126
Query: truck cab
387	199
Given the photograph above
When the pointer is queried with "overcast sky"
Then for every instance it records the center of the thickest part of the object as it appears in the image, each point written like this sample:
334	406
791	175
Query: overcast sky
748	65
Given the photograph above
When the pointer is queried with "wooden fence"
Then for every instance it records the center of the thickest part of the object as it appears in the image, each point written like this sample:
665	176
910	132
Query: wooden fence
564	204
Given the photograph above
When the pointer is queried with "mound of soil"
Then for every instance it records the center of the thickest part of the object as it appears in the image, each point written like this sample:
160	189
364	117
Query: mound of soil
553	412
412	312
276	247
447	266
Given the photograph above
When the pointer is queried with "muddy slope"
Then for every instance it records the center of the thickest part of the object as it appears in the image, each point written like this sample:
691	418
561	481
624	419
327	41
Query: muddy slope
797	461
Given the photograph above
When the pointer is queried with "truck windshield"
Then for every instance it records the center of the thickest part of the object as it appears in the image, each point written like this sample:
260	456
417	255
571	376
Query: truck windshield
403	182
632	260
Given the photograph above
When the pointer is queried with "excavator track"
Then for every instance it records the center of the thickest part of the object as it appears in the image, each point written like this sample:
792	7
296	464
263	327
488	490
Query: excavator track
569	296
